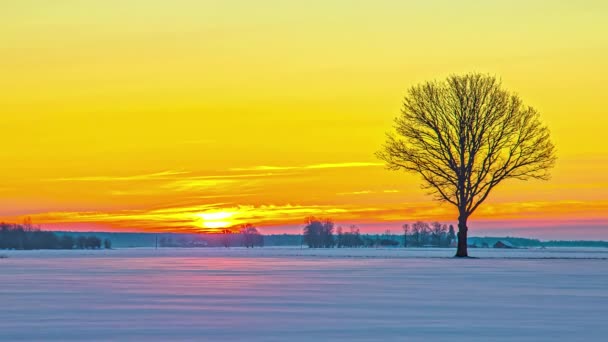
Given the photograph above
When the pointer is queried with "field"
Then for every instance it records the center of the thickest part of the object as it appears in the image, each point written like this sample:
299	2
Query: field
292	294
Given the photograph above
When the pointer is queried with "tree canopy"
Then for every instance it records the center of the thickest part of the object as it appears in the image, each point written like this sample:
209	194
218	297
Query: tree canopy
464	136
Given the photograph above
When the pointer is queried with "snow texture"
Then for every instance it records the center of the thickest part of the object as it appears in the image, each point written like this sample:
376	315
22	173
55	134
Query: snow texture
293	294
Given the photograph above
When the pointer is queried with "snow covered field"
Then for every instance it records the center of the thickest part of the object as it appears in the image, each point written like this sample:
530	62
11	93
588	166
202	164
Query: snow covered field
292	294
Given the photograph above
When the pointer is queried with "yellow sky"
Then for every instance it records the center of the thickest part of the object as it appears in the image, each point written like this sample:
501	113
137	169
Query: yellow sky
188	114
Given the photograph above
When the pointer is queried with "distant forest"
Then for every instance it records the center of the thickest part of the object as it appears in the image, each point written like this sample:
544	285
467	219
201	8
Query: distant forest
25	237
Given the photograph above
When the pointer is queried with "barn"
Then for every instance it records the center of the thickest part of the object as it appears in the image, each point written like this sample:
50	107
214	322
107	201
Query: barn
503	244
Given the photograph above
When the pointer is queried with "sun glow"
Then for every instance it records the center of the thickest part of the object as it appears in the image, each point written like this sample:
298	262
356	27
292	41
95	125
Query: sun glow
216	220
216	224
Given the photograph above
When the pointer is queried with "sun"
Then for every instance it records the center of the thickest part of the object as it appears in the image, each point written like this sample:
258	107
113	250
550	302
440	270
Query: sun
216	220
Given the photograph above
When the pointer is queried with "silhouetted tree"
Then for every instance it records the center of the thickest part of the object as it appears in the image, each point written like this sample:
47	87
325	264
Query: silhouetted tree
451	235
356	234
352	238
464	136
81	242
319	233
226	238
339	237
406	229
107	244
93	242
444	236
387	234
251	236
420	233
27	224
438	233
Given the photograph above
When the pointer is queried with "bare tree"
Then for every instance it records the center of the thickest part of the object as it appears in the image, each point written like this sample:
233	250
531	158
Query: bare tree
226	237
451	235
406	229
438	232
464	136
420	233
251	236
319	233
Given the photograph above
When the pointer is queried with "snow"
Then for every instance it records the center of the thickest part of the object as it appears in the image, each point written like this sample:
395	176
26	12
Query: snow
293	294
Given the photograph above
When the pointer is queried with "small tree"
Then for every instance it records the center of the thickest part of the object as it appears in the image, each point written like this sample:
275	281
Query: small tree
464	136
339	237
451	235
406	229
420	233
355	237
318	233
107	244
226	238
251	236
438	232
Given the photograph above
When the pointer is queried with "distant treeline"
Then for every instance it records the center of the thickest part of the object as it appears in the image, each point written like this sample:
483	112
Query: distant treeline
515	241
575	243
345	239
15	236
318	233
321	233
525	242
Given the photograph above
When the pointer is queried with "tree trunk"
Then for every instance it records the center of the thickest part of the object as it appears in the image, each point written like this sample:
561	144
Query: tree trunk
462	237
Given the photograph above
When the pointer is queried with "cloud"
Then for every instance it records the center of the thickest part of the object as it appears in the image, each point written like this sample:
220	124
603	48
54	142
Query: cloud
159	183
363	192
563	210
194	184
170	174
216	182
366	192
196	218
307	167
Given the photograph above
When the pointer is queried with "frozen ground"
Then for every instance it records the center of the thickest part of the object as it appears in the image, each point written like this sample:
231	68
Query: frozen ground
292	294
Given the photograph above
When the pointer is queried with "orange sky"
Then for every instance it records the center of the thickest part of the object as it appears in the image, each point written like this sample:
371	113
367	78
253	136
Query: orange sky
193	115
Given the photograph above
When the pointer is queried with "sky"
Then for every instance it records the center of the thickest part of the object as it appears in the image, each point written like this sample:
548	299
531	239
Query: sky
190	116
